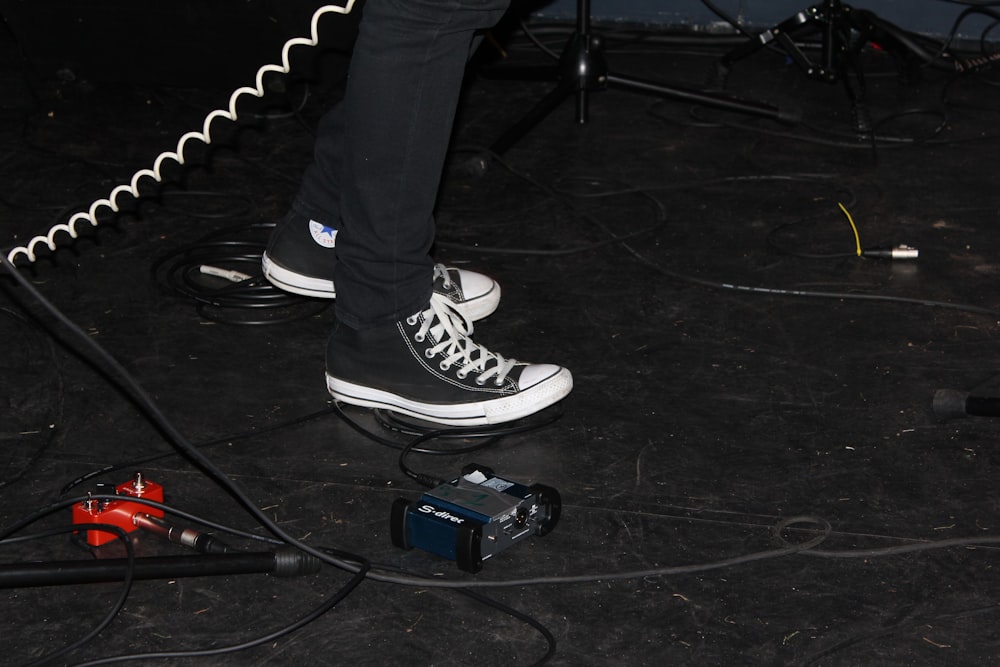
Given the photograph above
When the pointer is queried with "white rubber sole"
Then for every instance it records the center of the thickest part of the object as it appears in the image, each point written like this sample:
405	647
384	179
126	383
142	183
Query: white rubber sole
296	283
480	413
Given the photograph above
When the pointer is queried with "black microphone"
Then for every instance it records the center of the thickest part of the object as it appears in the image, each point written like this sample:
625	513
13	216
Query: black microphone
951	404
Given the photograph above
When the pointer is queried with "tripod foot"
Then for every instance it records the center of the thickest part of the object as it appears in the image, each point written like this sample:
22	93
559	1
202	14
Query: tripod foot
477	166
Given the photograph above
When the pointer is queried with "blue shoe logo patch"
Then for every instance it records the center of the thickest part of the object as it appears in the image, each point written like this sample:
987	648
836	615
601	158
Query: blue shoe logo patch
322	234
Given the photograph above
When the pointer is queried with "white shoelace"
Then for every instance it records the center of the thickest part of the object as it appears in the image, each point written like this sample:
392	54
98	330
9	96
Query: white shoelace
453	332
441	271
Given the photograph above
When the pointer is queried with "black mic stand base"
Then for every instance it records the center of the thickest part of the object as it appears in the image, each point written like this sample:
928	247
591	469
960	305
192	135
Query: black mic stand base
582	70
843	32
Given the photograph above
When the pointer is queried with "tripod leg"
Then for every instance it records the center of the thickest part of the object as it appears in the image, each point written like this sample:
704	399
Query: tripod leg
707	99
541	109
829	19
853	78
581	69
777	33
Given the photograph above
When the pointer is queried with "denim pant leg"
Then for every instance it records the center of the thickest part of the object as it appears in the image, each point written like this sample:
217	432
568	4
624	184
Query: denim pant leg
398	110
319	192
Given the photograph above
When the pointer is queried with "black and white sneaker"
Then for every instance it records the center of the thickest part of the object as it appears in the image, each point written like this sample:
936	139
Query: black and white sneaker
428	367
300	257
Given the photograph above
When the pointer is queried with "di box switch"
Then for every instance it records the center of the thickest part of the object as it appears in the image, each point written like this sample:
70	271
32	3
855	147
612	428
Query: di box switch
474	517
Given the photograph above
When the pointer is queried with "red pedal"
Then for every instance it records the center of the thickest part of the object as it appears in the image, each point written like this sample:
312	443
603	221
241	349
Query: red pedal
118	512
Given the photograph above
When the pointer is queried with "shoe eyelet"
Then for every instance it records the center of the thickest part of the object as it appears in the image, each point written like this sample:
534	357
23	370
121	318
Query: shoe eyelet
461	375
418	337
444	366
411	320
498	383
480	381
429	353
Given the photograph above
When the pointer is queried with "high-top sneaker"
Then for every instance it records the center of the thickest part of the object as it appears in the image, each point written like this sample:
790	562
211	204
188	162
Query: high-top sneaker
428	367
301	253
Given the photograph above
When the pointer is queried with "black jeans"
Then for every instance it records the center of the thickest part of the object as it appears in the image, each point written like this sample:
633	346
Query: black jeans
380	154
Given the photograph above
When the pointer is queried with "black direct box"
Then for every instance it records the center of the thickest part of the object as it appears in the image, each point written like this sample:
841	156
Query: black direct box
474	517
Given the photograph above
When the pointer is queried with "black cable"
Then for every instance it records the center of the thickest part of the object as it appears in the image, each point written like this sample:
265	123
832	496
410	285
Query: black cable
154	413
7	532
246	210
617	37
39	450
815	294
905	549
720	285
339	559
878	634
316	613
392	444
697	568
361	564
326	606
773	242
221	273
805	548
824	136
486	435
548	417
118	605
244	435
839	139
552	193
913	42
499	606
931	52
819	528
510	611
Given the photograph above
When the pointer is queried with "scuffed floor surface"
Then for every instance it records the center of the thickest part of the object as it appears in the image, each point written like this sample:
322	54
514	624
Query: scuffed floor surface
750	466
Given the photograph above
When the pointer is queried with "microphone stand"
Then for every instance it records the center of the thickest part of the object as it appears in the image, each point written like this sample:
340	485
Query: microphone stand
282	563
582	69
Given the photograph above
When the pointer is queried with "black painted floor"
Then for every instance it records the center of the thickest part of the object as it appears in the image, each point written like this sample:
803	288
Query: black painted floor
738	369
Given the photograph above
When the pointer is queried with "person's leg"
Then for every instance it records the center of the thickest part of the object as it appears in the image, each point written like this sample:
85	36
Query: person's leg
395	162
405	80
402	341
318	197
301	252
399	344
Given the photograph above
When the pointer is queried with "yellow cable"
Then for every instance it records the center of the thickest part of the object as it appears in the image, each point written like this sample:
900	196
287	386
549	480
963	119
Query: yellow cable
857	238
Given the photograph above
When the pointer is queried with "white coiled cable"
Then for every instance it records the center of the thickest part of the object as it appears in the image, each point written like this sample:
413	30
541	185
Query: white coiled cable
204	136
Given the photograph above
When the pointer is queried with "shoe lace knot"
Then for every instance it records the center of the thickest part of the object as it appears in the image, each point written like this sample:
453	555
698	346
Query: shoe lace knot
451	332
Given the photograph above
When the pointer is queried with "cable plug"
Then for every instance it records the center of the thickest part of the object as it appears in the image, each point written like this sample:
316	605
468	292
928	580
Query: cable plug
231	275
202	542
899	252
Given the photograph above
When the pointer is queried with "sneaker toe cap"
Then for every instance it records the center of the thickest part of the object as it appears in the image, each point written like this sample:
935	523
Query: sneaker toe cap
535	374
476	285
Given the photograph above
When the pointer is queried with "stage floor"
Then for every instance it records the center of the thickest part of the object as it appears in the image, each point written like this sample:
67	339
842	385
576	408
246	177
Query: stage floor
750	466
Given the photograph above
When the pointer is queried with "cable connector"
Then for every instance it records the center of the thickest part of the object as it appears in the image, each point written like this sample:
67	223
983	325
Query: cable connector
190	538
898	252
231	275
